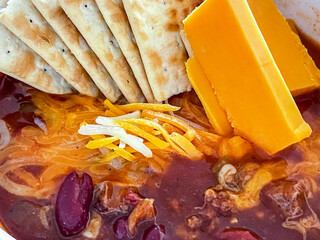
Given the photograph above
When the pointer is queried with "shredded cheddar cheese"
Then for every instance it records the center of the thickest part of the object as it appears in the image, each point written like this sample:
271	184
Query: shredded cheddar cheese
127	132
109	113
102	142
109	157
116	111
139	132
122	152
186	145
147	106
158	127
166	118
190	132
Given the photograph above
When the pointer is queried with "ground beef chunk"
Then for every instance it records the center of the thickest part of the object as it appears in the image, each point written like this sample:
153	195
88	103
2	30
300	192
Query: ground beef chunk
219	200
115	198
285	197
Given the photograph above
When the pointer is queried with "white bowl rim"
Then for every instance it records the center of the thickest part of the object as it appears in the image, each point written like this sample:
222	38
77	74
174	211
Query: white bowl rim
5	236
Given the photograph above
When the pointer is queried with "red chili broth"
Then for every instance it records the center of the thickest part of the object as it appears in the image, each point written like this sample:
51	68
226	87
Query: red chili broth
185	181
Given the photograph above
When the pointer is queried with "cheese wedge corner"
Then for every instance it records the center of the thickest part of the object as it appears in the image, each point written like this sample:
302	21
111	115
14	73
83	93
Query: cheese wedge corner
216	115
296	66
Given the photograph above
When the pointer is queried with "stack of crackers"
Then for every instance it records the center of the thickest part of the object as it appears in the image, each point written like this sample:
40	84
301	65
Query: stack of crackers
129	48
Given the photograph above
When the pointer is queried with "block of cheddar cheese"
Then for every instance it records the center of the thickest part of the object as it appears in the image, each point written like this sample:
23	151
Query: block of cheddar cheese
217	116
296	66
235	58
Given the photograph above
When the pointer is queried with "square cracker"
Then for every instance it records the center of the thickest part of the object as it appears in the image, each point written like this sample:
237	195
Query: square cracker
87	18
19	61
156	26
59	21
24	20
115	16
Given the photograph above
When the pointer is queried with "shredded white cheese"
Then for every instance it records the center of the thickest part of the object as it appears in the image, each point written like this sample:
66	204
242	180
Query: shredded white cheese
113	130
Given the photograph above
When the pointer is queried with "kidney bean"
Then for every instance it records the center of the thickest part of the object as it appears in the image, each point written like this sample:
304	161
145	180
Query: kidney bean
155	232
73	203
120	228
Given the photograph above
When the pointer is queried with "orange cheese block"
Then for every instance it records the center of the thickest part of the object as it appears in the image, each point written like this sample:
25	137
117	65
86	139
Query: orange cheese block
217	116
296	66
236	60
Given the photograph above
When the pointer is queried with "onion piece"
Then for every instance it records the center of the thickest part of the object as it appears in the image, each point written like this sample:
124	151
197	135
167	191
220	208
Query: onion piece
41	124
226	175
4	135
133	141
43	216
